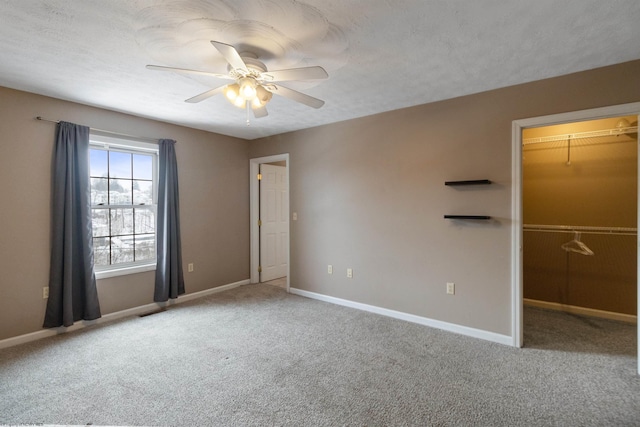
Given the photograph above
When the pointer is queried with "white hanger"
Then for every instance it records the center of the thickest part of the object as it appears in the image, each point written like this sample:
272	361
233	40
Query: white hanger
577	246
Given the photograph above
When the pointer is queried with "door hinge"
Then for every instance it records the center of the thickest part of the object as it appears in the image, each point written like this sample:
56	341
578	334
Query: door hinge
259	269
259	223
259	177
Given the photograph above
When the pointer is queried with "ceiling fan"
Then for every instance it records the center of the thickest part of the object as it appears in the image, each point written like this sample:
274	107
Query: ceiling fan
253	85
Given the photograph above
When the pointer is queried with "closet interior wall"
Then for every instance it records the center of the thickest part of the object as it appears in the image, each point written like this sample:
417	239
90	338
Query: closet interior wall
583	182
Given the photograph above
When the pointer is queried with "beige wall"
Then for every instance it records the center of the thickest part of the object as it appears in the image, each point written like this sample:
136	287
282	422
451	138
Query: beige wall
598	188
213	178
370	195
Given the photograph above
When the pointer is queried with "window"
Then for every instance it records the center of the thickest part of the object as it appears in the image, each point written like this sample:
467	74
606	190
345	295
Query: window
123	205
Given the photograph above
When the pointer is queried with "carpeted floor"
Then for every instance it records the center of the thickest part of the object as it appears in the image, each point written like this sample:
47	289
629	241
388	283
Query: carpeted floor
281	282
257	356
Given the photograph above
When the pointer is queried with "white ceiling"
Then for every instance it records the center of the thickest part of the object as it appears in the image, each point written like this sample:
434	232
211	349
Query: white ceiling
381	55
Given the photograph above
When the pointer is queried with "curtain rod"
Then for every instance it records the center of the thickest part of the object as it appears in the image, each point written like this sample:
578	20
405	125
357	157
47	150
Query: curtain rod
124	135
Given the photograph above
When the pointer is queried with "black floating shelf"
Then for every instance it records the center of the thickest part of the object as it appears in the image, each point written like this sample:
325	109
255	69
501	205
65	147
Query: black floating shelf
470	182
467	217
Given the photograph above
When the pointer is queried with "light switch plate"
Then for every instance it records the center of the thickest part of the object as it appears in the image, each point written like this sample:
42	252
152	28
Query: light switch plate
451	288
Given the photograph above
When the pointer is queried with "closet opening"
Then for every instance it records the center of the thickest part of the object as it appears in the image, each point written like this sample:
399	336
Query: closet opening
579	234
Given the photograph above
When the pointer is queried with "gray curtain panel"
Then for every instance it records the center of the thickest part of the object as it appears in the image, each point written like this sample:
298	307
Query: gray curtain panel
72	282
169	276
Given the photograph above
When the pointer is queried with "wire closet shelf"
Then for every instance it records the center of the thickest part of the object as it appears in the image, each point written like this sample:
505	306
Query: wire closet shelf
626	231
582	135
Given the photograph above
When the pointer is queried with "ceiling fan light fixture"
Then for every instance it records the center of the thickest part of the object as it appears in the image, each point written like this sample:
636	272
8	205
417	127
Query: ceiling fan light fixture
263	96
231	92
247	88
240	102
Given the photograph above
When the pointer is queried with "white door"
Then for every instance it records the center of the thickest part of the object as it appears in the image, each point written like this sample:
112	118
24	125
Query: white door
274	218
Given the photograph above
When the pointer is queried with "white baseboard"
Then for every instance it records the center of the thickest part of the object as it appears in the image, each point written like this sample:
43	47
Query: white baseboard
584	311
445	326
135	311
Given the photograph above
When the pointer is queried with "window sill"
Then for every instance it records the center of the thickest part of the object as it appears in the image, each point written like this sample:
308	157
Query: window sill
103	274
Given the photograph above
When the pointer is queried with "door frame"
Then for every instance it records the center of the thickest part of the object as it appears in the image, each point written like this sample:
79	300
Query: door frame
516	200
254	215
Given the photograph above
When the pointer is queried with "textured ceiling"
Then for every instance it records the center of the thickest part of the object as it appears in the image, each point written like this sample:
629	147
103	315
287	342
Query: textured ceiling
381	55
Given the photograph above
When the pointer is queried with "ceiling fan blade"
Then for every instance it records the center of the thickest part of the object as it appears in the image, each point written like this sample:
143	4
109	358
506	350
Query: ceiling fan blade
304	73
187	71
205	95
260	112
297	96
231	55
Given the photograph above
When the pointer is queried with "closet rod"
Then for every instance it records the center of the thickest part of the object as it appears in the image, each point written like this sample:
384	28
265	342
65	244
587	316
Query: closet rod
581	228
579	135
122	135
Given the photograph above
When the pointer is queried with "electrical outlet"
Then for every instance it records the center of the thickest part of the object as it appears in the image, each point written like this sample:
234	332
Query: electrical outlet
451	288
190	267
295	216
45	292
330	269
349	273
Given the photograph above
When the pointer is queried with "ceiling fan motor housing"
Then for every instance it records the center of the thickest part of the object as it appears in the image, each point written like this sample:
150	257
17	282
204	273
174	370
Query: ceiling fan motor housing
255	67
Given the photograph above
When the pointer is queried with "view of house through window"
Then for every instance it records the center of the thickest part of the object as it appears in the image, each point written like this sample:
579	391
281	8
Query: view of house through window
123	204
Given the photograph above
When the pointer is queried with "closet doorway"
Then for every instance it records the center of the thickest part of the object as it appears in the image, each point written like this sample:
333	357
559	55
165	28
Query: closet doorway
579	198
576	199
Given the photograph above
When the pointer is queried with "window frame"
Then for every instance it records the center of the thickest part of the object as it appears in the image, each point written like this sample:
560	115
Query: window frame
119	144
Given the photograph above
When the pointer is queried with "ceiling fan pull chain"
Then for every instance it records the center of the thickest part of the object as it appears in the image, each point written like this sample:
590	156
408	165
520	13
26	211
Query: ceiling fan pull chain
248	108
